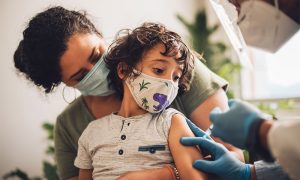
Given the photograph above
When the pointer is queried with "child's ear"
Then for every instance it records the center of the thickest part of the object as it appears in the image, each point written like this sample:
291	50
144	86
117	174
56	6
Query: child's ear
121	69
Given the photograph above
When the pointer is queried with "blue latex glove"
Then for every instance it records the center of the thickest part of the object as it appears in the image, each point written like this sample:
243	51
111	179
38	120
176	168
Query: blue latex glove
233	125
223	163
197	131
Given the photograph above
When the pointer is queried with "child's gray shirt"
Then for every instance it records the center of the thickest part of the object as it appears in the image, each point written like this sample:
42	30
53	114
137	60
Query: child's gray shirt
114	145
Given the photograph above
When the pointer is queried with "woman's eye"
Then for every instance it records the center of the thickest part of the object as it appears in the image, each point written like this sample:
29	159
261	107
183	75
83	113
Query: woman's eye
158	70
81	76
96	59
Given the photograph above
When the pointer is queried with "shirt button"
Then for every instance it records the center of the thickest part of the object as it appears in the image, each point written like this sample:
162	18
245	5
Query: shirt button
121	151
152	150
123	137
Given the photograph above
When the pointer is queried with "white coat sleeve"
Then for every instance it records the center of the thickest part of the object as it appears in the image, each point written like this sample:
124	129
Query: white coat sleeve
284	144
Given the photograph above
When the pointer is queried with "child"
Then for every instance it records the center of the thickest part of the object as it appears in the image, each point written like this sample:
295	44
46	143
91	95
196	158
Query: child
147	68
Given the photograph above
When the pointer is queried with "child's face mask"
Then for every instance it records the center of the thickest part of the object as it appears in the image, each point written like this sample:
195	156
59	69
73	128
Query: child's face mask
152	94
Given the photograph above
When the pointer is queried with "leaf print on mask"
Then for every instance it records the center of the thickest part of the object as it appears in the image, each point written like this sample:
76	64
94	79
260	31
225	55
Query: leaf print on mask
161	99
143	85
167	84
145	103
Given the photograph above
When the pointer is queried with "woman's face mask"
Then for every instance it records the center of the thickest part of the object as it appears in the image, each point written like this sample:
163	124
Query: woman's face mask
265	26
152	94
95	82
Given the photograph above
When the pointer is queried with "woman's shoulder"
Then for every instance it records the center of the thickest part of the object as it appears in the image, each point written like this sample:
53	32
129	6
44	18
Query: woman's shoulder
75	115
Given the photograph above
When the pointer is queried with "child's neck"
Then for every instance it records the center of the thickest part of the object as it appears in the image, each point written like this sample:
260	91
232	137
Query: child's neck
129	107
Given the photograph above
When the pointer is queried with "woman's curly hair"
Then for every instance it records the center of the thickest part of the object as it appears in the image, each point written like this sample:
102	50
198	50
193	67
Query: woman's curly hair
130	46
44	42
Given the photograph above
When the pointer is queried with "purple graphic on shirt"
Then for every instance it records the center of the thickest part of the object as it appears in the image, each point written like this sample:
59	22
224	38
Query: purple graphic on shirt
161	99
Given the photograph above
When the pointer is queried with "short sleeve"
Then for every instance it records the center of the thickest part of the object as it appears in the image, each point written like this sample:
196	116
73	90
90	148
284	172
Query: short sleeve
68	128
83	159
204	84
167	115
65	153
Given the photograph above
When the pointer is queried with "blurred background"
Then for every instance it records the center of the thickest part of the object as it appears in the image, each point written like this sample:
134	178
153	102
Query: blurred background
27	115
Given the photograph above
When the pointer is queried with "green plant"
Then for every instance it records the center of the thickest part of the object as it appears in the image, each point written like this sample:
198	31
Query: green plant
216	59
213	52
272	107
49	169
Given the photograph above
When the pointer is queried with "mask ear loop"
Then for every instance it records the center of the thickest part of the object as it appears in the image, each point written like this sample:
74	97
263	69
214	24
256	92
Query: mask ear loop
63	95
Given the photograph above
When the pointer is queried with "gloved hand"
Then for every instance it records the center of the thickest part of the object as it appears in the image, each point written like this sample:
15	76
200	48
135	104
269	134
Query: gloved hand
197	131
223	163
233	125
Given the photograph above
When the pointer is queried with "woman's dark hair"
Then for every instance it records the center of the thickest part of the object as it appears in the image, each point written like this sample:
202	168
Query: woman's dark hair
130	46
44	42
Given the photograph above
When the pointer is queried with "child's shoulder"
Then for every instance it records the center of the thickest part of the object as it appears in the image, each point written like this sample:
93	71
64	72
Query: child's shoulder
96	126
167	114
170	112
99	121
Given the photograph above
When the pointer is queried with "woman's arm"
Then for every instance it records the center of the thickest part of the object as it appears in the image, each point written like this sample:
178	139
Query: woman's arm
200	115
85	174
207	91
64	152
184	156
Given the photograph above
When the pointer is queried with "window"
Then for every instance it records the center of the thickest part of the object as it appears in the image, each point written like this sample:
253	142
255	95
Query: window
273	76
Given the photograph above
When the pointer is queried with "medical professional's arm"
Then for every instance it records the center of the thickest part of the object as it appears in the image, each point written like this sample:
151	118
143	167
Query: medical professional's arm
244	126
226	166
182	155
263	133
283	142
265	170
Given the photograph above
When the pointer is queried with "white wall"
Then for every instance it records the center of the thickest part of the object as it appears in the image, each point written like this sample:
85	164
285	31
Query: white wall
23	108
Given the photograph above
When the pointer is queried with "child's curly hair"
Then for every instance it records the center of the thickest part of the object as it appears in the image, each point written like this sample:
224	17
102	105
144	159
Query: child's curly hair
130	46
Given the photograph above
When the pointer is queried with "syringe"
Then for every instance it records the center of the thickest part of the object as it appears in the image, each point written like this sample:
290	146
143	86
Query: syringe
208	132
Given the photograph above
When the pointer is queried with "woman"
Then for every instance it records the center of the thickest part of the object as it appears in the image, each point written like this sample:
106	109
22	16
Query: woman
60	45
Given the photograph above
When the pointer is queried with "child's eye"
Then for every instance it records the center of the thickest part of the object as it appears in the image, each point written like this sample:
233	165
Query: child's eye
158	70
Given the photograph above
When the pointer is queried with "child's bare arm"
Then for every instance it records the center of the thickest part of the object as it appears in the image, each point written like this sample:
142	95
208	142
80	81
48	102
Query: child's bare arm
85	174
184	156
